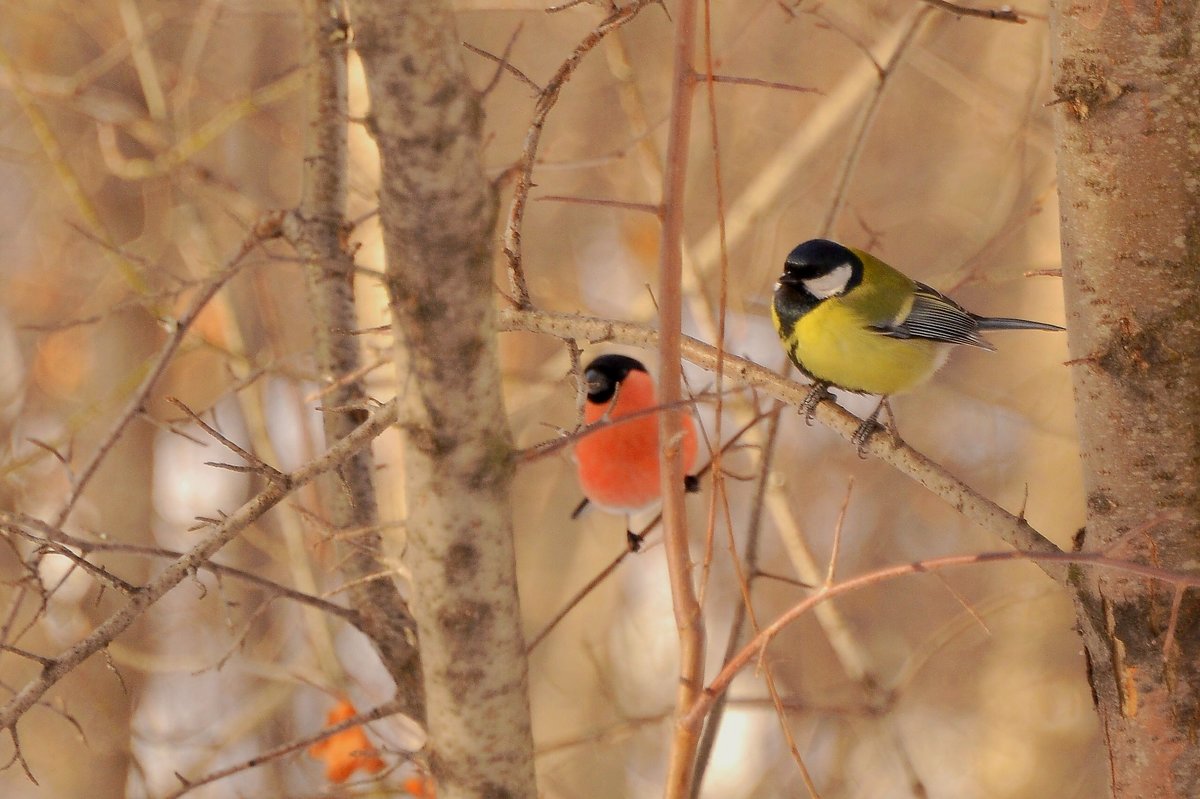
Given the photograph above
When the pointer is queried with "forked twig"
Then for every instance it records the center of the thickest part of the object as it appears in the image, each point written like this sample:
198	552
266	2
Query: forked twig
524	165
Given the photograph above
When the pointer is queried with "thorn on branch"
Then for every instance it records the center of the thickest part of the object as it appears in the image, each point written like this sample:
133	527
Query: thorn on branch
766	84
503	65
256	463
41	660
19	757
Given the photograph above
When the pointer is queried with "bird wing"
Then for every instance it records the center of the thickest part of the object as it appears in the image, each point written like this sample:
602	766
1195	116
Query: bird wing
936	317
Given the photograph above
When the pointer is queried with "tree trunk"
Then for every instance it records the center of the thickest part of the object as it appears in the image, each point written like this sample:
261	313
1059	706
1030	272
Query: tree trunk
1128	86
437	210
318	232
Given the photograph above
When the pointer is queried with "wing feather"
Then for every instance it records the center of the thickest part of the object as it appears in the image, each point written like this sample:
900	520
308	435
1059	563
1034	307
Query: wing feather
936	317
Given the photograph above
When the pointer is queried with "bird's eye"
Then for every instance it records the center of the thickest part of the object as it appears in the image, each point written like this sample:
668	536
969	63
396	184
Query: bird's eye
594	381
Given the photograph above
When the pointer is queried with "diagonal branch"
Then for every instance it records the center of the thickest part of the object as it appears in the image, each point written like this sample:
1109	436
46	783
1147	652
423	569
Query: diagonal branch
179	570
269	226
1012	529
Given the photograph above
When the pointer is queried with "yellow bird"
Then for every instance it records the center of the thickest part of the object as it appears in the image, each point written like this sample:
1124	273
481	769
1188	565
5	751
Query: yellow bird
848	320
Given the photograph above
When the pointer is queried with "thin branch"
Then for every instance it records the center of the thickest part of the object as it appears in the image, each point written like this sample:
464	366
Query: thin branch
99	572
1002	14
649	208
754	649
545	448
193	559
581	594
837	535
971	504
36	658
16	521
765	84
689	617
269	226
383	711
524	166
846	174
504	65
256	464
747	572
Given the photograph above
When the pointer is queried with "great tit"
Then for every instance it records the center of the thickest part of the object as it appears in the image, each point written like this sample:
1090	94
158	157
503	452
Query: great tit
848	320
618	463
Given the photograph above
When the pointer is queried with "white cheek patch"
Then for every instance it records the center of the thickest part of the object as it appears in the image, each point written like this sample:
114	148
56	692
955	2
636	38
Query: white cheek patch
829	285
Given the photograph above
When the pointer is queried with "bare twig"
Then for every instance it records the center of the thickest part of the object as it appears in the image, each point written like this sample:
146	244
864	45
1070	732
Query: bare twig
1002	14
649	208
504	65
524	166
744	609
269	226
22	523
765	84
99	572
753	650
182	567
262	758
846	174
689	617
256	463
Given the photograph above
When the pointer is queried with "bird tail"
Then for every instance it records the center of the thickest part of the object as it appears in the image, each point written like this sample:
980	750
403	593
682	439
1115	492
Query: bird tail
1004	323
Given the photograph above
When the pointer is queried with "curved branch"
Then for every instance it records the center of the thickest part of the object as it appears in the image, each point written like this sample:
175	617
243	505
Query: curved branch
754	649
524	167
1013	529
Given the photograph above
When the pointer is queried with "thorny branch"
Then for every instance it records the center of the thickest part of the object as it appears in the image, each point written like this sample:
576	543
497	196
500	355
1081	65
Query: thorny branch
300	744
756	647
269	226
220	535
524	166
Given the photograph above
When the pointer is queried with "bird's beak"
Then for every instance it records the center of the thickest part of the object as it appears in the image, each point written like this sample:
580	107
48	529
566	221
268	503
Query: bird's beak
788	279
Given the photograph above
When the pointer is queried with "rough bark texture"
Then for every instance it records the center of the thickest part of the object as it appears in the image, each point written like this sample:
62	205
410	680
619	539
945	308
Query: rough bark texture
1128	80
438	211
318	231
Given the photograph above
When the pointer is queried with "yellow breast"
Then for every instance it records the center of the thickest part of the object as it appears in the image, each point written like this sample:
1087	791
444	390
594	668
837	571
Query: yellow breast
834	343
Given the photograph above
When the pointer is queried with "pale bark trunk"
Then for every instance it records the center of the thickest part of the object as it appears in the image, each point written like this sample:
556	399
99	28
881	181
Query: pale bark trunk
437	210
1128	84
318	232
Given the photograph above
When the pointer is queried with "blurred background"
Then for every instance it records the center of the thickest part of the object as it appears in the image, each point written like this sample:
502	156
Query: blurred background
139	142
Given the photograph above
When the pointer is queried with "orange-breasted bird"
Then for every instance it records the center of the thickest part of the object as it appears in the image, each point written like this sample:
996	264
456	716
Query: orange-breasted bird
618	463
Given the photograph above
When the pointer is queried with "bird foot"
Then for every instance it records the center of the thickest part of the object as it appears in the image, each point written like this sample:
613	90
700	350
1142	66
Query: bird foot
634	541
819	391
862	435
